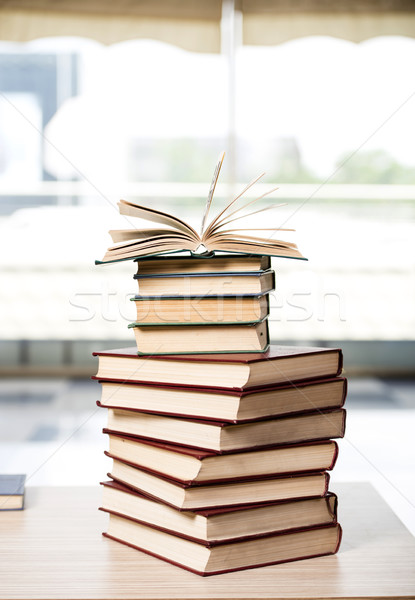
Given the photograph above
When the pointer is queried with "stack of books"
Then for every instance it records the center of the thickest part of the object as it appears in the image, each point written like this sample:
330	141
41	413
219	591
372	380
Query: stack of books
220	443
220	462
217	304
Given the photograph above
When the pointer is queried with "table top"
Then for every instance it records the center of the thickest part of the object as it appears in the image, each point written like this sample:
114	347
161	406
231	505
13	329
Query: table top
54	549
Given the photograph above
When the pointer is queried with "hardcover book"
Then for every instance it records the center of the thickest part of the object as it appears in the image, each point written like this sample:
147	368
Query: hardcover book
190	466
232	493
219	525
223	558
225	437
234	406
279	364
12	492
183	265
190	339
206	284
225	310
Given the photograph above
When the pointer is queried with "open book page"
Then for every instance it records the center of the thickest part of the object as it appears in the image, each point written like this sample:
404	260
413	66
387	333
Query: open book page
250	238
172	238
220	226
179	236
226	217
156	216
246	247
153	247
222	213
212	190
123	235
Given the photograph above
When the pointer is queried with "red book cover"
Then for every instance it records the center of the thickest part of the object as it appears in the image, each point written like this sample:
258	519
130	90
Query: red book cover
207	512
330	499
185	487
201	455
225	425
303	386
263	564
274	353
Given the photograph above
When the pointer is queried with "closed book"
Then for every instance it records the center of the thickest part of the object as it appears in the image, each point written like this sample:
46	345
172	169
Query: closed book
279	364
227	437
201	309
193	467
188	338
182	265
12	492
219	525
223	558
229	284
235	406
233	493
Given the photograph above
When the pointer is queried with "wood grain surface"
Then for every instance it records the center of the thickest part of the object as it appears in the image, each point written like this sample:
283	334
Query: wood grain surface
54	549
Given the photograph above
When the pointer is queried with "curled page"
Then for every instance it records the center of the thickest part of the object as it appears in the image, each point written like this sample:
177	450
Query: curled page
156	216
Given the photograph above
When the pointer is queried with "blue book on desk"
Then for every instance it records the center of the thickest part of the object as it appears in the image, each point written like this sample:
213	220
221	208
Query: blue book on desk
12	492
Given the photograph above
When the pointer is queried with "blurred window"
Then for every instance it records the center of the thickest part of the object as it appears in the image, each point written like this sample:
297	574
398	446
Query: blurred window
330	121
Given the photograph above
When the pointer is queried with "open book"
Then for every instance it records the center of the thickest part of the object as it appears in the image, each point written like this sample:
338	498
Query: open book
218	235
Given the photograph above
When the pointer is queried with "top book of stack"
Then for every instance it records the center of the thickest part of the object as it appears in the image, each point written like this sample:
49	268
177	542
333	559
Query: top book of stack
219	235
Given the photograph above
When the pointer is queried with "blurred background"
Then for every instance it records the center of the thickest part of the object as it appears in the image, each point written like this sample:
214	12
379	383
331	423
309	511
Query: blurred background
101	101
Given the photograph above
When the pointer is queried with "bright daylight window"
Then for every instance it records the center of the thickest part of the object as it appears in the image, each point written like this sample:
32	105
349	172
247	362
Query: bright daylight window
331	122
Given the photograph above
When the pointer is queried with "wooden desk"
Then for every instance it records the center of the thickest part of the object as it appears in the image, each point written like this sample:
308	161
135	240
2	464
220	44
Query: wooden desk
54	549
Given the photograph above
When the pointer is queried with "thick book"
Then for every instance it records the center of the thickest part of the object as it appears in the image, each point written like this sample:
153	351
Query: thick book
234	406
190	339
182	265
219	525
201	309
191	466
206	284
12	492
233	493
219	436
172	234
279	364
223	558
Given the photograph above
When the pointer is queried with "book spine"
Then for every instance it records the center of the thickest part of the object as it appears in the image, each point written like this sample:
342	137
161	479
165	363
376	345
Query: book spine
343	424
340	366
327	481
335	456
332	506
339	538
344	392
